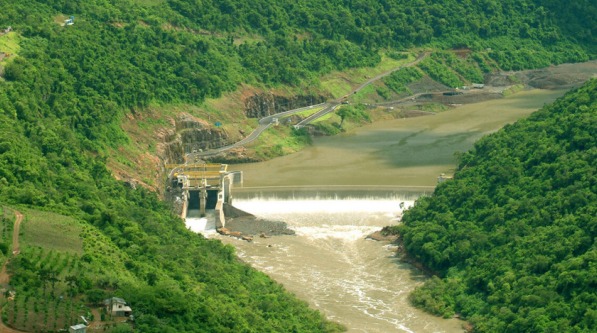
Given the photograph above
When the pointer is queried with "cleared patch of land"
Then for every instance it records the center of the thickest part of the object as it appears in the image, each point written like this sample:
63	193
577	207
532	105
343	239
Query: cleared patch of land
9	46
149	2
51	231
342	83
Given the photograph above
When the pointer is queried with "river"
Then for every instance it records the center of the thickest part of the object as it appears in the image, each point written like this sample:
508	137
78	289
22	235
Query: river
342	188
401	152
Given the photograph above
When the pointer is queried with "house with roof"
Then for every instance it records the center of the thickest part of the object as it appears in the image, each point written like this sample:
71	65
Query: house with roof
79	328
117	307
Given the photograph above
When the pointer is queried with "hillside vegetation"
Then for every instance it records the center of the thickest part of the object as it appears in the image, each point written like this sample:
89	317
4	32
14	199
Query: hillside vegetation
513	235
66	88
66	267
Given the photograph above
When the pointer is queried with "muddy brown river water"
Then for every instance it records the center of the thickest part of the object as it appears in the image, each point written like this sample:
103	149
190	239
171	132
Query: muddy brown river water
342	188
402	152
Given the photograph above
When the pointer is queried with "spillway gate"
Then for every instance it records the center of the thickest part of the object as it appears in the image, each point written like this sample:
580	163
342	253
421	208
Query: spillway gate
205	186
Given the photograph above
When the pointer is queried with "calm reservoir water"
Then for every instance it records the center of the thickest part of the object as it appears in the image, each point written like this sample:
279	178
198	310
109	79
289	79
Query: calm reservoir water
343	188
404	152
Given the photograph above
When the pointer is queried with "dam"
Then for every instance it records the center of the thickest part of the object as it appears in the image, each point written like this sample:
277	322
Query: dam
204	190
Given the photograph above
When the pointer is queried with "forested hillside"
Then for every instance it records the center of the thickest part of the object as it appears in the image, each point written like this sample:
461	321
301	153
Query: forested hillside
65	88
513	235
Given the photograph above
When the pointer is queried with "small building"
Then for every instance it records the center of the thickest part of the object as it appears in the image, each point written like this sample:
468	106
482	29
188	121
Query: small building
442	178
117	307
79	328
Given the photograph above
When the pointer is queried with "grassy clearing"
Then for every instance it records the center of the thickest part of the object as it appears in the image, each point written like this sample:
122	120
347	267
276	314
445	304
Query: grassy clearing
149	2
433	107
51	231
337	86
366	95
513	90
341	83
308	112
251	39
9	45
47	274
227	109
332	116
279	141
59	19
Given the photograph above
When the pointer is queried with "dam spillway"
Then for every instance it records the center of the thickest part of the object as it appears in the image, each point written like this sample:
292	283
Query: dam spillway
330	263
204	189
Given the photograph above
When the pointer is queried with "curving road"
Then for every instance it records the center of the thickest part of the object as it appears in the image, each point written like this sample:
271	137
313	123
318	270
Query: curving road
266	122
330	107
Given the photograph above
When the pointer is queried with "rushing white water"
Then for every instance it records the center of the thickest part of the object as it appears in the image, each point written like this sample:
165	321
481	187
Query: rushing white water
205	225
354	281
328	263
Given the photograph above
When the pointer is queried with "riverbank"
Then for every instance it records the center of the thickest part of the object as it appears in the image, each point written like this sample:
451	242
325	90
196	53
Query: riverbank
358	282
429	97
403	152
246	226
330	265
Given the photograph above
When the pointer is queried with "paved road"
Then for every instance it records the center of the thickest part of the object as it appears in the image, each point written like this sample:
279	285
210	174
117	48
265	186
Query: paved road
251	137
382	75
330	107
266	122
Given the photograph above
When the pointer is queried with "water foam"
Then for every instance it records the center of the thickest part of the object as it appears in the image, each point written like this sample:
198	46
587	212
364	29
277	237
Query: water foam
330	254
344	232
320	218
204	225
341	205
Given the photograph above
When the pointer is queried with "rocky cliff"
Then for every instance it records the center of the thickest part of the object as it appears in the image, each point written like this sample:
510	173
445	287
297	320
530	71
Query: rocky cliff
267	104
187	135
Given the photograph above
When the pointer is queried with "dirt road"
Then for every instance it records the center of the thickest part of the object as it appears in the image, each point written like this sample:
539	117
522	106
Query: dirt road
15	233
4	277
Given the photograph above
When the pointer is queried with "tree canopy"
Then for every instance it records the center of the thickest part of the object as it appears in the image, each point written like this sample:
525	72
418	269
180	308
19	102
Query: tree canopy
64	92
513	234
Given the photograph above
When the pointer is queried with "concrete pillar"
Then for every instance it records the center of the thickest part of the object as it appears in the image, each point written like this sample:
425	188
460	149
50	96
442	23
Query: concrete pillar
226	185
220	217
185	204
202	200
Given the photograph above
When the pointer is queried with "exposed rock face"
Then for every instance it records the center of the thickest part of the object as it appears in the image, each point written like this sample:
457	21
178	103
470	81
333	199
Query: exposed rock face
267	104
190	134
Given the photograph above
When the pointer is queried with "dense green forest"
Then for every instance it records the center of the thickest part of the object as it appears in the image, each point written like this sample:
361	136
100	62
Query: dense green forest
513	235
64	90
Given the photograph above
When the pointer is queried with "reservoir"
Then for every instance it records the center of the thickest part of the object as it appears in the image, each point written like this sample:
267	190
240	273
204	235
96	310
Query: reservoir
401	152
342	188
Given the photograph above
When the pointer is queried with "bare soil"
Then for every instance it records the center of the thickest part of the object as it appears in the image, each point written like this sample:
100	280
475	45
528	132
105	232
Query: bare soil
565	76
4	277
